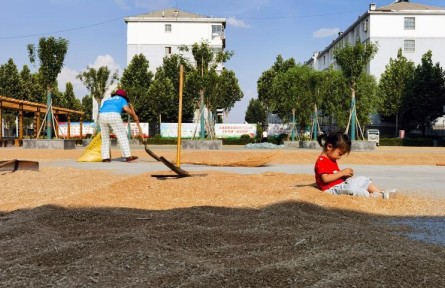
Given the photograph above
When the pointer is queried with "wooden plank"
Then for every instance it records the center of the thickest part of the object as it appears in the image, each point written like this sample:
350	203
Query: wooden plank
174	168
151	153
13	165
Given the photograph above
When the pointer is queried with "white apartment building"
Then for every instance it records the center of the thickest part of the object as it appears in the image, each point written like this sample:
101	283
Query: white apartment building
160	33
414	27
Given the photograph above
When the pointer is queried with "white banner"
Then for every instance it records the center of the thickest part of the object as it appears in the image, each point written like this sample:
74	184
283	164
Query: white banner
187	129
221	130
277	129
234	130
89	127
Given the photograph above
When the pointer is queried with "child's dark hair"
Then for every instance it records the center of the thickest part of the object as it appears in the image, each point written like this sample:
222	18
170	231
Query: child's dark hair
337	140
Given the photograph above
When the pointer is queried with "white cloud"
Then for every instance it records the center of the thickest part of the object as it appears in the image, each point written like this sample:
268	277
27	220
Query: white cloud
232	21
105	60
69	75
326	32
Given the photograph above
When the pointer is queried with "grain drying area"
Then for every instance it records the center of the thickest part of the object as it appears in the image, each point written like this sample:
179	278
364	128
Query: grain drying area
67	226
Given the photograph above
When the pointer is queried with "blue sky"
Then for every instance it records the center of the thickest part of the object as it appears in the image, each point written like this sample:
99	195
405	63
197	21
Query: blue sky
257	31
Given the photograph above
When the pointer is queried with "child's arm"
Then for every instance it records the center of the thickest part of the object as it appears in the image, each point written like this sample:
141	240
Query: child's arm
345	173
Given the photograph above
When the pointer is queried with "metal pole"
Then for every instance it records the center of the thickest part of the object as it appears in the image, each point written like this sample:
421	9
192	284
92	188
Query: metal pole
293	125
353	117
49	116
202	132
178	146
315	123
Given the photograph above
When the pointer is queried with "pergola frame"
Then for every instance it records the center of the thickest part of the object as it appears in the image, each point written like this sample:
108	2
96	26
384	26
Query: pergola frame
38	109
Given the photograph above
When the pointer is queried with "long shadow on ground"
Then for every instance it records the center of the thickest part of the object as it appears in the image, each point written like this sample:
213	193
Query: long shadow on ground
284	245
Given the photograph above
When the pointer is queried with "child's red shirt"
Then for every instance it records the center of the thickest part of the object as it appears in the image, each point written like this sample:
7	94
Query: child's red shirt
324	165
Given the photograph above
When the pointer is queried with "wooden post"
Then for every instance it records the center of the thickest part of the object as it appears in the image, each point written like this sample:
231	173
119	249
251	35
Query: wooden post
81	124
178	145
20	123
37	126
69	126
1	122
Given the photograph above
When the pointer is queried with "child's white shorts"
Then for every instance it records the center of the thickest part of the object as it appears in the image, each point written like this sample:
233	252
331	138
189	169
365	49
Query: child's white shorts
355	186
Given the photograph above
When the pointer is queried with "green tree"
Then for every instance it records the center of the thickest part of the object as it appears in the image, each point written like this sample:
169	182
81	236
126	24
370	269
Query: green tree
368	100
71	102
293	93
51	54
10	81
352	60
264	83
27	82
205	81
162	99
392	86
10	86
256	112
87	107
226	92
97	82
136	80
333	94
425	95
170	71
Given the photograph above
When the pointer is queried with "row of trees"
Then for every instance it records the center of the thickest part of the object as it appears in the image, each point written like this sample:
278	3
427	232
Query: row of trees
414	96
153	95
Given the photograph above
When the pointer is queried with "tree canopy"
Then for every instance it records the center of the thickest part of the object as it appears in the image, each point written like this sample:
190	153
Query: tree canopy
393	86
51	54
425	97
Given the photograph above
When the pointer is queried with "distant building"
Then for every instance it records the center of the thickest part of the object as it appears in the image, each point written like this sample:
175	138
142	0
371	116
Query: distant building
414	27
160	33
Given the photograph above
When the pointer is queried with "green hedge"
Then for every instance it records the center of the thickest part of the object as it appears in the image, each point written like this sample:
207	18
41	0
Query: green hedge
391	142
409	141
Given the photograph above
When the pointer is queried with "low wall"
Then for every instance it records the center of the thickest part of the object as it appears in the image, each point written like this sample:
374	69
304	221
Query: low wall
65	144
86	142
355	145
202	144
363	145
302	144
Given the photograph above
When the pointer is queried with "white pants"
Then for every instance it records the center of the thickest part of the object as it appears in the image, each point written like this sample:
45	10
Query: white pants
113	120
355	186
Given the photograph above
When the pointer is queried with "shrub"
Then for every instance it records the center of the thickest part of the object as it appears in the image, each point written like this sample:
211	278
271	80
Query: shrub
391	142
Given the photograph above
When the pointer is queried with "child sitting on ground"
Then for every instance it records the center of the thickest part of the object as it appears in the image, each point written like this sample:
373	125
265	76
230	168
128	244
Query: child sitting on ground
331	179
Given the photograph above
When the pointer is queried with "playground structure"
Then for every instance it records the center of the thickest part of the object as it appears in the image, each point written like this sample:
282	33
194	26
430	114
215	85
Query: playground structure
38	110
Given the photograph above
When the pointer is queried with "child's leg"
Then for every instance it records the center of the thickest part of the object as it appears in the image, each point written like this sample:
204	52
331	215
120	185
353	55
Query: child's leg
357	186
372	188
375	191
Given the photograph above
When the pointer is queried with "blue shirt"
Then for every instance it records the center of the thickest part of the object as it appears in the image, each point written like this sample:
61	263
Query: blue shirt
113	104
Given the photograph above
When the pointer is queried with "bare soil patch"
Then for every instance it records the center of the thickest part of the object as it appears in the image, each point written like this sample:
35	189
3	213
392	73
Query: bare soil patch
64	227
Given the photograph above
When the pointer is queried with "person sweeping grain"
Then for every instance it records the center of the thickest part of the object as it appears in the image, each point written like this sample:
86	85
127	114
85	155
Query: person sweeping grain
331	179
110	116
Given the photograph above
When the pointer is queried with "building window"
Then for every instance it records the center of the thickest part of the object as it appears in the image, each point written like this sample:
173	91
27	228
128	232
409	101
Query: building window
217	31
168	27
409	46
168	50
410	23
365	26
